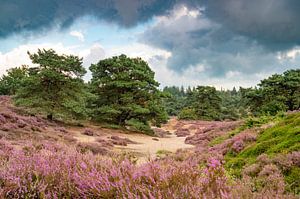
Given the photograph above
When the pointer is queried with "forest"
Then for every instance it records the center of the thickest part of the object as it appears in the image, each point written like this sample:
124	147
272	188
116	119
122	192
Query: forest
240	143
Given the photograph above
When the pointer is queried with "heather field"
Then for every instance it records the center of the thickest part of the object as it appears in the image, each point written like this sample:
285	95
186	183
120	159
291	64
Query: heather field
255	158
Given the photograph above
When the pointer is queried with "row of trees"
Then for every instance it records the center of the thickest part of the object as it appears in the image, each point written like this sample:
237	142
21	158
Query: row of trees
203	102
122	91
280	92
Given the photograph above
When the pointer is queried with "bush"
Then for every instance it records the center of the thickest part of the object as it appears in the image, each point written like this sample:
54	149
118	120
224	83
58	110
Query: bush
187	114
136	125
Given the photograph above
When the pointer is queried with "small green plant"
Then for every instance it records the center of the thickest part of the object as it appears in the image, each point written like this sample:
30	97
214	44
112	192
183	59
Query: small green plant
163	153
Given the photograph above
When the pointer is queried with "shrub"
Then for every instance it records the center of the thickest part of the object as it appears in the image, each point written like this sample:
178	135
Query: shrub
187	114
88	132
93	147
136	125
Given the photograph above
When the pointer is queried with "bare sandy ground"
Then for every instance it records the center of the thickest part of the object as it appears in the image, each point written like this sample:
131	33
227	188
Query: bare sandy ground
149	147
146	147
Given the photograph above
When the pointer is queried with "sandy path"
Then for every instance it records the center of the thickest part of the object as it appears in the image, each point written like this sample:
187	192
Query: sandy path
146	148
149	147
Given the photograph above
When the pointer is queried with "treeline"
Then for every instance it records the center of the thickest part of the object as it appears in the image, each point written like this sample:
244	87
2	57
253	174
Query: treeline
124	93
204	102
278	93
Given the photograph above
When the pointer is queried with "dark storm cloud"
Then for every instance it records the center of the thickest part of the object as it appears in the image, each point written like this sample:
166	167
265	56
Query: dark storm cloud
35	15
227	41
274	23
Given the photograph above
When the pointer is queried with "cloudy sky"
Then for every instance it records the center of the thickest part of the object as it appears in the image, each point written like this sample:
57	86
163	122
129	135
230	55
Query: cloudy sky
223	43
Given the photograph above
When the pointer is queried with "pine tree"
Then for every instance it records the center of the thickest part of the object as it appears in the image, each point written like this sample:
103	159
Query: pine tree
10	82
127	93
54	87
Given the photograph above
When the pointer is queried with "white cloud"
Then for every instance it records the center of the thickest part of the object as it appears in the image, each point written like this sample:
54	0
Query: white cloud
78	34
232	74
18	56
290	54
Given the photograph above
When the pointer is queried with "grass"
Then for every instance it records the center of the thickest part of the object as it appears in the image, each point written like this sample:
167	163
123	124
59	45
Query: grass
163	153
284	137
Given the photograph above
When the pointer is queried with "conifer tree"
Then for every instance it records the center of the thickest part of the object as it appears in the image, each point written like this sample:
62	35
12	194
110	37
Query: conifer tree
55	86
127	93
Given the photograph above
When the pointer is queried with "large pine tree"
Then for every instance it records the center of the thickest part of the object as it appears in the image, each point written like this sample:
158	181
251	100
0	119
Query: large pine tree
55	86
127	93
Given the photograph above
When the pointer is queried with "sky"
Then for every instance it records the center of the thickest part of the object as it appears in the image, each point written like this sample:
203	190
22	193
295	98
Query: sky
186	42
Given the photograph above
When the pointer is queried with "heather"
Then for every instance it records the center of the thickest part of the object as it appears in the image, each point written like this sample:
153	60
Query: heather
50	170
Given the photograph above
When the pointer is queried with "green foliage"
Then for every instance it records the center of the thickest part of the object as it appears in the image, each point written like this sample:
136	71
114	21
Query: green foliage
293	180
202	103
276	93
282	138
187	114
207	103
11	82
126	93
218	140
136	125
231	107
54	87
175	100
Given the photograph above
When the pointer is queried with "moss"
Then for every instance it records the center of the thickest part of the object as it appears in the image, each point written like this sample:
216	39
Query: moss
284	137
234	165
217	140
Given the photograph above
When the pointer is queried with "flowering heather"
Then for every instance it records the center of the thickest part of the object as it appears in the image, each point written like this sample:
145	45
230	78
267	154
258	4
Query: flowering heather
61	130
49	170
182	132
88	132
116	140
11	120
207	131
52	171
